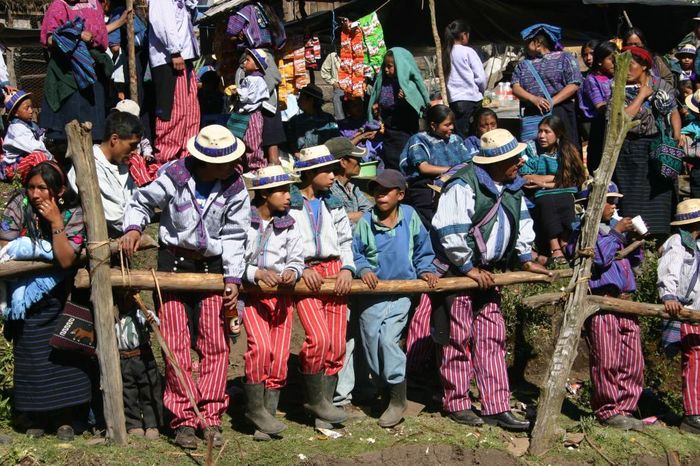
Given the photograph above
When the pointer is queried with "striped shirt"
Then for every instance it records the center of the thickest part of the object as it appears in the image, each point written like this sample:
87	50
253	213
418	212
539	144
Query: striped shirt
423	147
675	270
453	220
328	238
556	69
217	229
352	198
276	246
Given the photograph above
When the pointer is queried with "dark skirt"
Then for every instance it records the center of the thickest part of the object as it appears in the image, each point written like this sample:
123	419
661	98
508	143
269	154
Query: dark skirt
273	130
552	216
84	105
645	192
422	199
596	139
45	378
567	112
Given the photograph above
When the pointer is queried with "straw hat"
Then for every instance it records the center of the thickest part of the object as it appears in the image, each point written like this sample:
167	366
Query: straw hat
687	212
215	144
269	177
687	49
128	106
498	145
259	57
13	100
314	157
693	101
583	195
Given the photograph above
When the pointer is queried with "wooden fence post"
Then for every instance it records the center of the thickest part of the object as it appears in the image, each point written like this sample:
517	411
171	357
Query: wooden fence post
438	52
133	85
575	310
80	146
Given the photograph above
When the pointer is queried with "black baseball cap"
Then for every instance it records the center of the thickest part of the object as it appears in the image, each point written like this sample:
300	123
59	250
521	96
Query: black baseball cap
389	179
343	147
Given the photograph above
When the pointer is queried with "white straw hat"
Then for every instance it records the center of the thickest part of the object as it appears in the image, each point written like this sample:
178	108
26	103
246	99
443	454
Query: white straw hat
693	101
269	177
497	145
215	144
314	157
687	212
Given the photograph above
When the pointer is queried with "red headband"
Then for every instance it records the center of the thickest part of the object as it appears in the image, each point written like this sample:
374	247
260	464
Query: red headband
640	52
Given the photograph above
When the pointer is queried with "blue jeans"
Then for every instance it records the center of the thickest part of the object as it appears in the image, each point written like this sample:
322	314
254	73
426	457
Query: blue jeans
381	325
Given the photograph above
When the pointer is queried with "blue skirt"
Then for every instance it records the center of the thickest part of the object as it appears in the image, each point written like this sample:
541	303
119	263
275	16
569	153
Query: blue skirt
45	378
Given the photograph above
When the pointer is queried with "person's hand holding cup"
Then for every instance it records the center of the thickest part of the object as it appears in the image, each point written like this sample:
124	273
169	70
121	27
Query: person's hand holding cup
639	226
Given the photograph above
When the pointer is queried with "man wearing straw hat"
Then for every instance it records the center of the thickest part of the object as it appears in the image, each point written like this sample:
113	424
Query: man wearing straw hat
274	256
327	243
678	272
481	222
203	225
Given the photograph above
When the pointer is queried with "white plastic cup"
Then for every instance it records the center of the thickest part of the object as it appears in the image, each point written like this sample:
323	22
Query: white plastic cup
639	225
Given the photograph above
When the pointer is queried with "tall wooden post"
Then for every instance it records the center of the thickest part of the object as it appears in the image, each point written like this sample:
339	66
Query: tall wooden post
80	146
438	51
577	308
131	46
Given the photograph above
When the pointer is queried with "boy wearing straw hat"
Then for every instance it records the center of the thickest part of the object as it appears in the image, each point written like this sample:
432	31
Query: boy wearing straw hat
327	244
274	257
686	58
678	271
390	243
23	136
203	225
617	362
481	221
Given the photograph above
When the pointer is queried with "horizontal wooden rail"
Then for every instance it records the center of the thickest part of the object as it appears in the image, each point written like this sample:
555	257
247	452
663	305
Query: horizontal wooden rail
201	282
16	269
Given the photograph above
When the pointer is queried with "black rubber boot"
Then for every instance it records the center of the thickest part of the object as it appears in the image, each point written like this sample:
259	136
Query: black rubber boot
397	405
255	410
318	404
272	399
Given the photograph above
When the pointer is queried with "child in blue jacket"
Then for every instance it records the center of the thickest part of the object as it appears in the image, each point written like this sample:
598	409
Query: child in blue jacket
390	243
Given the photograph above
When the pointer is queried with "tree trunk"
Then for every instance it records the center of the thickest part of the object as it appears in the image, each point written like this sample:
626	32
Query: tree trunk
438	52
131	46
575	311
80	143
199	282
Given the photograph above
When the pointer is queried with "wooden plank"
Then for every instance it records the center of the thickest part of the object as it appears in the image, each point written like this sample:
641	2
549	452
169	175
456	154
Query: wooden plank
199	282
577	308
80	144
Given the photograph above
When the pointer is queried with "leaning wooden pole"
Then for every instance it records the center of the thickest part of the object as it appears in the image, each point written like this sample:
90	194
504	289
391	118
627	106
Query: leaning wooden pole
575	310
80	146
131	46
438	51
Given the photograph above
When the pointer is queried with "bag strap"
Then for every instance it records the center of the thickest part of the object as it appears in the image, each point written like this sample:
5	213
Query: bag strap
693	280
475	230
537	77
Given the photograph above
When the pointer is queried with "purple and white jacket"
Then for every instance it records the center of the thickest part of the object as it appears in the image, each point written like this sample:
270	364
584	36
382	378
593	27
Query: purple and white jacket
217	229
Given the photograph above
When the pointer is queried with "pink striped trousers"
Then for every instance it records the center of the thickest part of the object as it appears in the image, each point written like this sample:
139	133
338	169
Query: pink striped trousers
690	345
210	390
268	325
325	321
172	136
252	138
617	364
477	346
419	343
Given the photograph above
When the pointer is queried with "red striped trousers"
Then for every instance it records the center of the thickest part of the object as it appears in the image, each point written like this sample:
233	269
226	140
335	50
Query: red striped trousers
268	324
617	364
252	138
690	345
210	389
419	343
324	319
477	346
172	136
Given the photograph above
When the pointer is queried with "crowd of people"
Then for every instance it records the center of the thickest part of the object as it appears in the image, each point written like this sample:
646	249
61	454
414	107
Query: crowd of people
260	201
